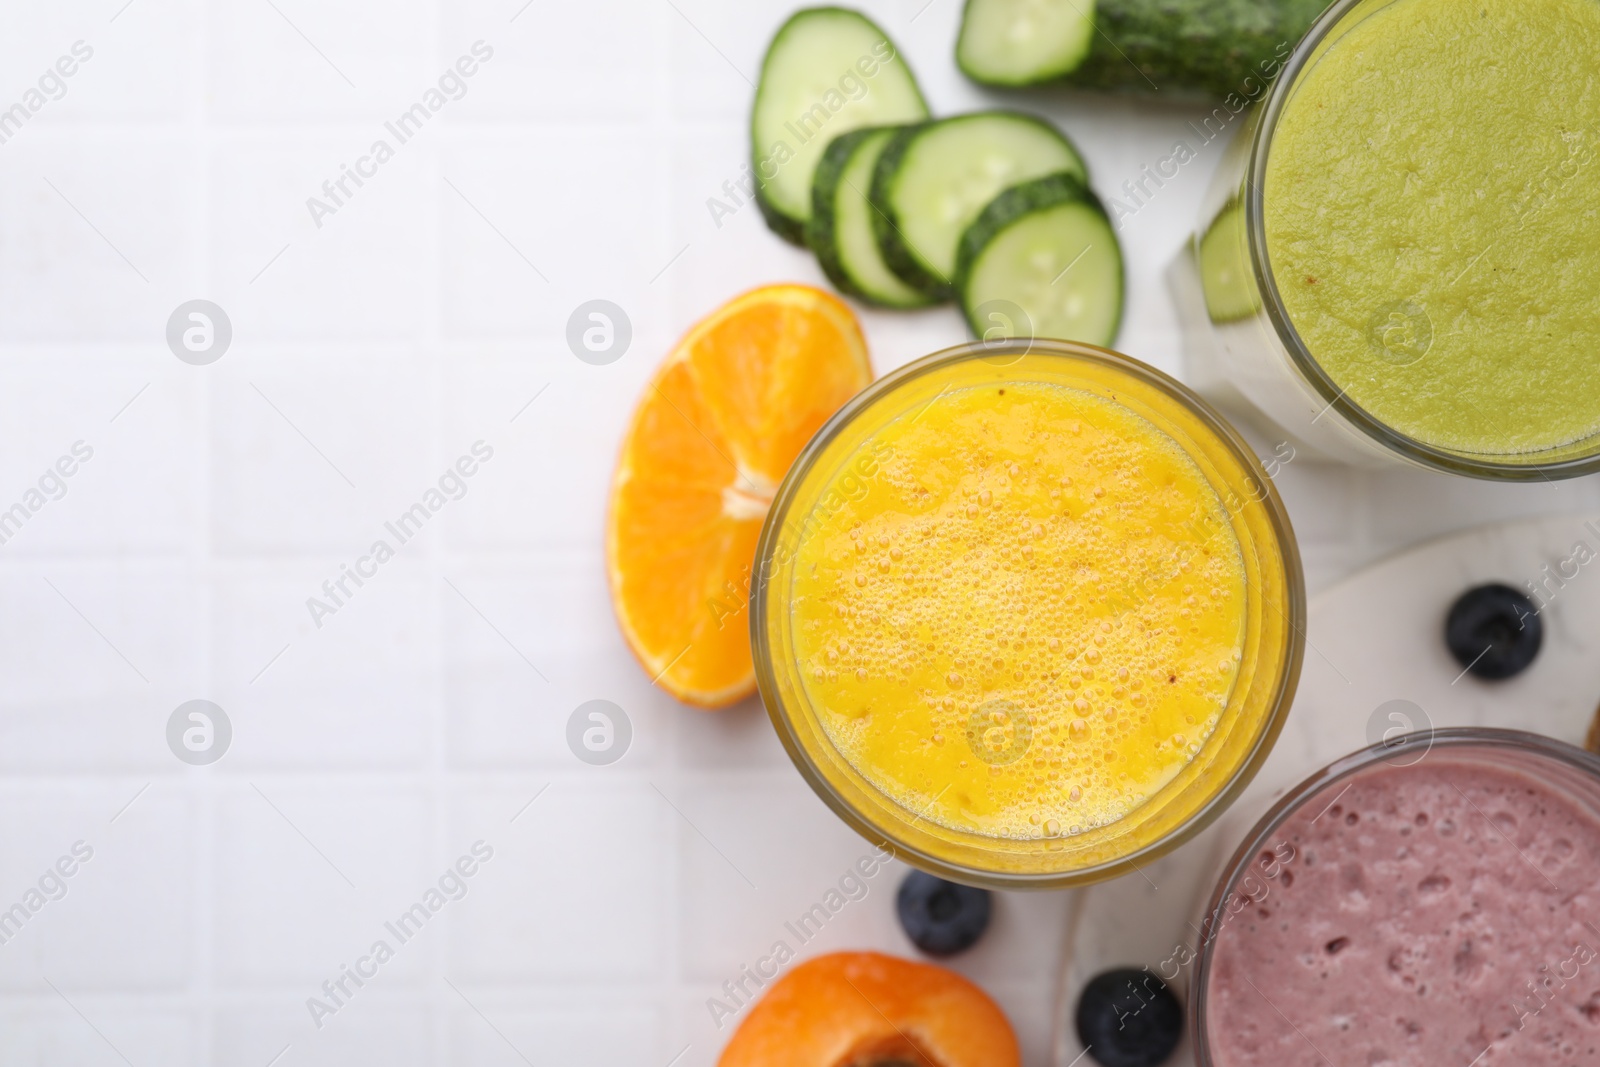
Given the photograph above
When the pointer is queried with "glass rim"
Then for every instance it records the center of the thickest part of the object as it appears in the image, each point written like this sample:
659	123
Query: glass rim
1460	737
1488	465
1294	612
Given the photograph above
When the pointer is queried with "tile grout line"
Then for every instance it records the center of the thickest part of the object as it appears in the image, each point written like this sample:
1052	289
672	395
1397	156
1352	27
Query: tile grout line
202	789
436	773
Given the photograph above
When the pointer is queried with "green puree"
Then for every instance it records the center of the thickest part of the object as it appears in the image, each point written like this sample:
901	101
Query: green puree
1432	207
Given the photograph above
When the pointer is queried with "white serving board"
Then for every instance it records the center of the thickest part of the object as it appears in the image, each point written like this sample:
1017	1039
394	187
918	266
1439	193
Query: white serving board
1373	638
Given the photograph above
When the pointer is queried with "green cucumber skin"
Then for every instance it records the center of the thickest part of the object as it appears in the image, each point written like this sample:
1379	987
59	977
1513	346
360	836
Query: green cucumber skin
1197	48
886	221
1211	48
820	233
1014	204
792	229
824	186
1011	205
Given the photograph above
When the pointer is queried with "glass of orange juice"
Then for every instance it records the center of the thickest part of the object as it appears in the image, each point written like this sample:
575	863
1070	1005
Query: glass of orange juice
1028	613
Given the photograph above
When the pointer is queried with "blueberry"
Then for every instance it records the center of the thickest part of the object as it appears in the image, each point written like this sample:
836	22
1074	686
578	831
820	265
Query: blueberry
941	918
1493	631
1129	1018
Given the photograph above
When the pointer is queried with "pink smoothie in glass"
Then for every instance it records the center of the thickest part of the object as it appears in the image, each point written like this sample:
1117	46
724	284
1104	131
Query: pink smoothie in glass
1444	913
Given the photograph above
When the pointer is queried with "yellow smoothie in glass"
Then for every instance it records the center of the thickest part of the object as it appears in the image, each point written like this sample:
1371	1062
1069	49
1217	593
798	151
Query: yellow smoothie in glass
1432	205
1033	560
1027	614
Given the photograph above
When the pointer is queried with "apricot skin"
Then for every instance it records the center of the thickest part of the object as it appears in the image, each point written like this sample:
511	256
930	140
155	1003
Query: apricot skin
853	1009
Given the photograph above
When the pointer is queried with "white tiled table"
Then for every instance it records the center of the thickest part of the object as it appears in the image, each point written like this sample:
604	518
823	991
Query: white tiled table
368	355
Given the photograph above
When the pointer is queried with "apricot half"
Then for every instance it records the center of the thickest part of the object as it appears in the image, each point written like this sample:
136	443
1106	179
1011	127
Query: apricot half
865	1009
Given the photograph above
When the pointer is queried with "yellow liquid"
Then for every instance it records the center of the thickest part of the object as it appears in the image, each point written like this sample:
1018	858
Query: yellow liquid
1023	612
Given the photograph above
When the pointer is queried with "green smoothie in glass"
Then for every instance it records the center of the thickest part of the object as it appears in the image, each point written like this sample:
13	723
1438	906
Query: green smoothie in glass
1431	209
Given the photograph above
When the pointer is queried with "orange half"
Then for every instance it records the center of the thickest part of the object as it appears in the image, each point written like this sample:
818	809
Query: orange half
711	439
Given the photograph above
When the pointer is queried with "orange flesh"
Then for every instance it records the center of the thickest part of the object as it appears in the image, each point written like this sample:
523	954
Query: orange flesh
712	437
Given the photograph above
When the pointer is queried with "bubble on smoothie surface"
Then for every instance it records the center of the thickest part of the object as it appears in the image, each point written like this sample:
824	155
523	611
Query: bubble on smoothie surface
1089	578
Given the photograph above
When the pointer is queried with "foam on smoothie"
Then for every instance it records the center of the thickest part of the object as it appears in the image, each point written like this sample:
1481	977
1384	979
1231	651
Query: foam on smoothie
1430	913
1029	618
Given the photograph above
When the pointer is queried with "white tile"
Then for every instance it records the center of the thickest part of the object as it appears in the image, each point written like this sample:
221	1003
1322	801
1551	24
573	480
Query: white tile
296	60
362	274
96	656
515	264
536	73
523	649
109	1033
307	876
693	1024
312	456
896	338
594	859
593	1032
356	692
501	705
121	920
373	1026
86	441
136	66
722	261
91	251
716	52
740	737
755	859
533	495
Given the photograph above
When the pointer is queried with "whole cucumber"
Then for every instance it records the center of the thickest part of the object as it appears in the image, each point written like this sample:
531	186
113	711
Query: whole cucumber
1176	48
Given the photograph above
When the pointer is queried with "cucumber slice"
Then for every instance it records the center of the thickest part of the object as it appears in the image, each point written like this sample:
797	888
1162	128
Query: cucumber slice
1043	261
827	71
1023	42
1225	278
933	180
840	232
